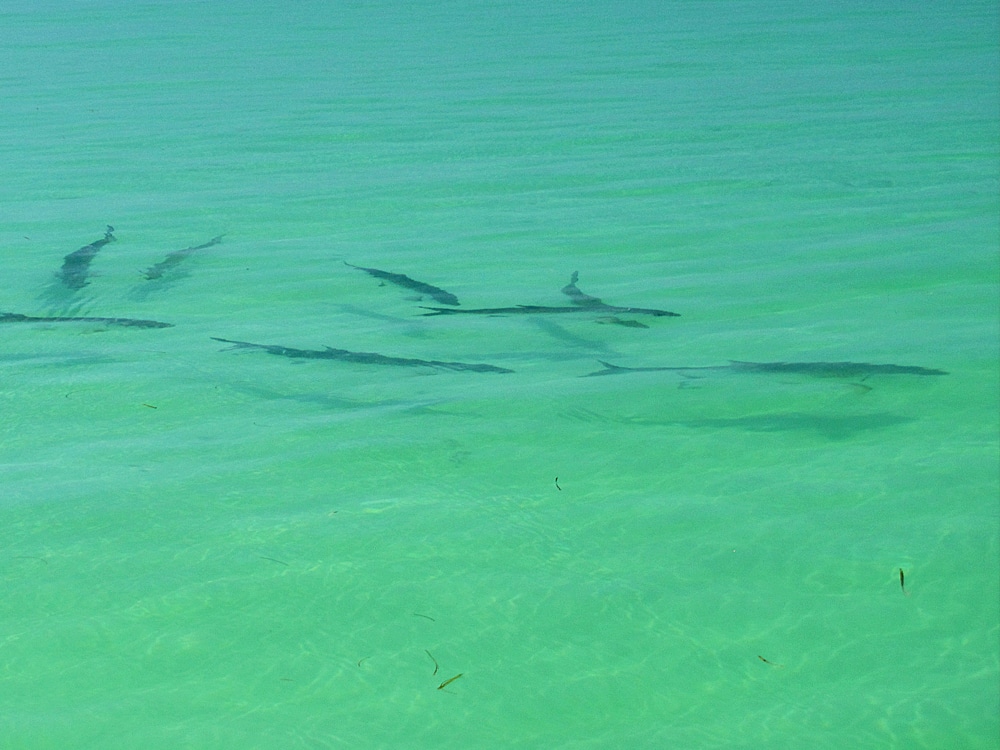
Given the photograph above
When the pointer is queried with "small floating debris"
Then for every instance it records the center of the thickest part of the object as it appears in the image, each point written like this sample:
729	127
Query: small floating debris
274	560
435	663
447	682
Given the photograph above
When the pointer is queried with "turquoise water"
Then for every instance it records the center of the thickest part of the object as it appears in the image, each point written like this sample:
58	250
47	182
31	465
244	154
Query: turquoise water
212	548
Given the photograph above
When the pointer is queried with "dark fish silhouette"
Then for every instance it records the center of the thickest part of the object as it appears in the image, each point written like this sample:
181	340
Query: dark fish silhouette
445	298
75	265
125	322
816	369
363	358
543	310
174	258
582	303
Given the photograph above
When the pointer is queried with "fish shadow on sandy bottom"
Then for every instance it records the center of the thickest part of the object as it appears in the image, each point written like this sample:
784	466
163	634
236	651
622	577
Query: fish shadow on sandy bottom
840	427
148	289
56	299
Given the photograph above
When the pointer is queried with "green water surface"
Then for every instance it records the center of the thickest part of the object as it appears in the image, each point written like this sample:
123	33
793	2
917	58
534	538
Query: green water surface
207	547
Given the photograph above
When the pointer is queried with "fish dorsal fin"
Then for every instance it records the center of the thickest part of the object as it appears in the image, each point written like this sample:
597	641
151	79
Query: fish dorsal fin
572	291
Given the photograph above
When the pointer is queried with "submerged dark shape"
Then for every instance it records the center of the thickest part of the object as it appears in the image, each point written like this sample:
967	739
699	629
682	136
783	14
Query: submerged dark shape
75	265
174	258
363	358
445	298
582	303
816	369
124	322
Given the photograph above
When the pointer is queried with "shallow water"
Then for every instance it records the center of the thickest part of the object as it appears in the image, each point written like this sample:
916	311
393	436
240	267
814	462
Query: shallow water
209	547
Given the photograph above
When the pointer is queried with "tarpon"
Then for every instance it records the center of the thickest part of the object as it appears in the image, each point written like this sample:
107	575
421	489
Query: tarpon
75	265
125	322
582	303
816	369
174	258
363	358
445	298
545	310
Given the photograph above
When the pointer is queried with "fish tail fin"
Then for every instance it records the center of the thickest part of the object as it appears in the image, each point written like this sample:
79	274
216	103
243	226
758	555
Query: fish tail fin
609	369
235	344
